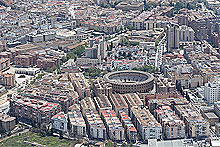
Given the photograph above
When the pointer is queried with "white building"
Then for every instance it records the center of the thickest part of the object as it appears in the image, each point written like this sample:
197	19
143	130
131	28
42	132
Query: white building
146	124
59	122
186	33
77	124
96	127
212	91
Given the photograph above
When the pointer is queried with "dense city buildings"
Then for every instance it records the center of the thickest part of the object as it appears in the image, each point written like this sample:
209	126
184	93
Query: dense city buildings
114	127
77	123
173	127
35	112
146	124
95	126
80	84
110	73
196	125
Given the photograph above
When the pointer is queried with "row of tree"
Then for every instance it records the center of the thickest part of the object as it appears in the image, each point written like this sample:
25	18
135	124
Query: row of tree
147	68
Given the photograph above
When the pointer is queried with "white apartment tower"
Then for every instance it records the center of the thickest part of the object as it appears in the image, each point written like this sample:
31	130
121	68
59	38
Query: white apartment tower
212	91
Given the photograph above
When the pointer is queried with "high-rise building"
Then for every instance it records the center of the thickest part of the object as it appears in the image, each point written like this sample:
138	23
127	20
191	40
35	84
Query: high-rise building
97	48
212	91
183	20
186	33
172	37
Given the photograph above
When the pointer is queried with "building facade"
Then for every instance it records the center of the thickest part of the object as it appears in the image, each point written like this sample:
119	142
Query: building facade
172	37
95	126
173	127
59	122
114	127
34	112
146	124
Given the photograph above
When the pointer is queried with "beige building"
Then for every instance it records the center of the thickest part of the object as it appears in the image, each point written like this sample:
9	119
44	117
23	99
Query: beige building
80	84
86	105
186	34
133	100
102	87
95	126
165	85
77	124
7	123
102	103
118	103
211	117
196	125
173	127
114	127
146	124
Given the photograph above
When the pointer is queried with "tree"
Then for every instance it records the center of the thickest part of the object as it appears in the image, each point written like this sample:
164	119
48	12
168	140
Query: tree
43	130
125	42
110	143
124	144
61	134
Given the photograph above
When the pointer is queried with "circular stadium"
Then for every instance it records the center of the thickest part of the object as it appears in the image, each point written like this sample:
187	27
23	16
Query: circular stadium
130	81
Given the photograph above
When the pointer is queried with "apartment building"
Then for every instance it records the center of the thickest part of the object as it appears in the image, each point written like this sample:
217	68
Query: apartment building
26	59
76	123
102	103
80	84
154	101
196	125
7	123
47	62
95	126
130	130
102	87
133	100
74	107
4	64
7	80
114	127
172	37
59	122
32	111
146	124
62	96
172	126
186	34
211	91
165	85
86	105
118	103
